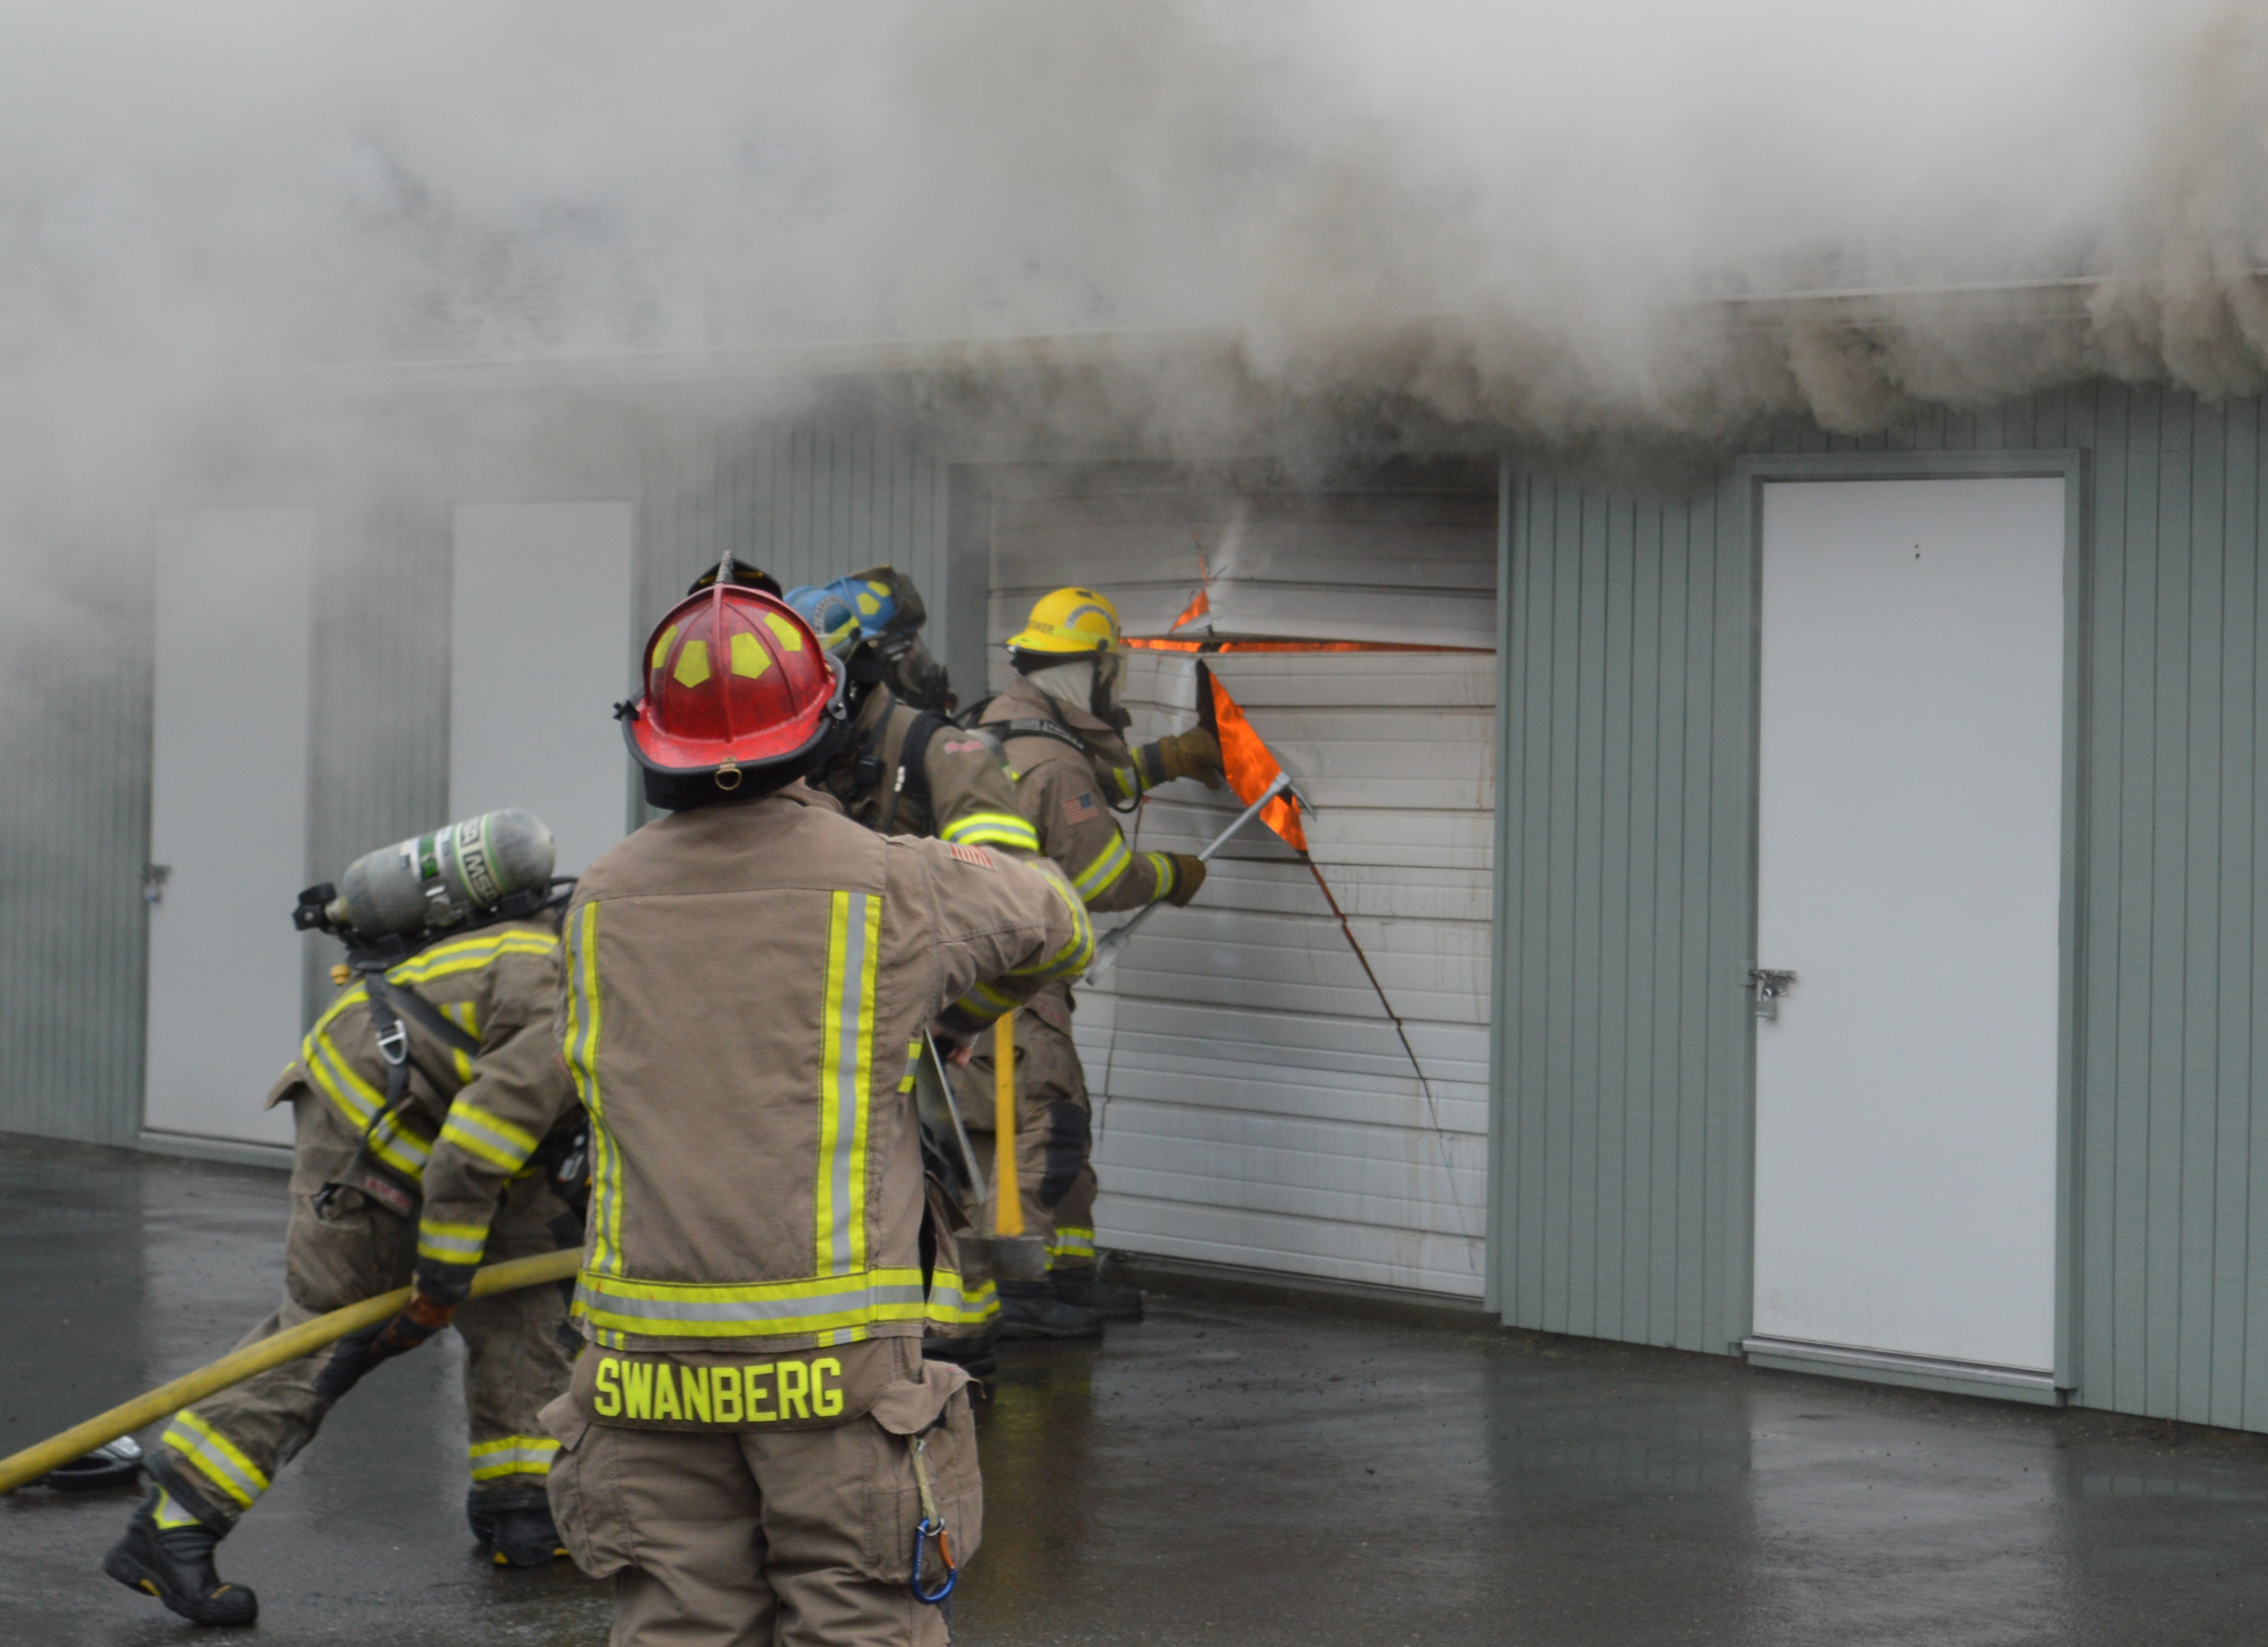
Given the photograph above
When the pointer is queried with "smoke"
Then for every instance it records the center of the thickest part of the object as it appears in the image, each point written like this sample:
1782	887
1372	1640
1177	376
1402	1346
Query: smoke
1165	223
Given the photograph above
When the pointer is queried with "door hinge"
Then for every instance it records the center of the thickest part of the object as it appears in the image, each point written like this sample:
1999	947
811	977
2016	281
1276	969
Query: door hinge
154	876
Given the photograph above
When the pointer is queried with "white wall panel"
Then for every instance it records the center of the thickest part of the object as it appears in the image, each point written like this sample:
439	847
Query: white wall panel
1254	1105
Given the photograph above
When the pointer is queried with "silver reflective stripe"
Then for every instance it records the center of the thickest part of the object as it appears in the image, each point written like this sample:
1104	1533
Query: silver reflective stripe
751	1309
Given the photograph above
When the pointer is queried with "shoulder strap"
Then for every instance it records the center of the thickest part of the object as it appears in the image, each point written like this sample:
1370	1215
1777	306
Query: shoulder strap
1041	729
387	998
912	777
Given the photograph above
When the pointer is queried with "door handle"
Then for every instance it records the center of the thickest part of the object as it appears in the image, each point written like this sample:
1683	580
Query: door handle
1772	987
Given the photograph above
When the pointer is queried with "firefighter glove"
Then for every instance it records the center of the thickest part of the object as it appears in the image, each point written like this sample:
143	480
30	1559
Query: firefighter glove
1188	875
1194	753
358	1352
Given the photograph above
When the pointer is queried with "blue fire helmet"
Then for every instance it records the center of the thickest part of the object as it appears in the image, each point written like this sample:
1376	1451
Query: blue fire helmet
880	602
832	617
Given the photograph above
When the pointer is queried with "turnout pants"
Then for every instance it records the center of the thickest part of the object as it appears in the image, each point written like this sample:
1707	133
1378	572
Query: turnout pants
1054	1135
757	1538
227	1449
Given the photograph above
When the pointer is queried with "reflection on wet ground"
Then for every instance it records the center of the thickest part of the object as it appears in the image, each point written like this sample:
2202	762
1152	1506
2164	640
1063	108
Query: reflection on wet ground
1224	1473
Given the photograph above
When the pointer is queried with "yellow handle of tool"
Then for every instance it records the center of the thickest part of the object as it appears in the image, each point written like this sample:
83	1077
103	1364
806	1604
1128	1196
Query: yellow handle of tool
1008	1199
236	1366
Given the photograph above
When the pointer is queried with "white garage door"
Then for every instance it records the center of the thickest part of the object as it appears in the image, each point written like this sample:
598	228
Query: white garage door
1255	1104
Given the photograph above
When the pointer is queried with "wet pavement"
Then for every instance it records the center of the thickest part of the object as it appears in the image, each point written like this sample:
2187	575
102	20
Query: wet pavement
1225	1472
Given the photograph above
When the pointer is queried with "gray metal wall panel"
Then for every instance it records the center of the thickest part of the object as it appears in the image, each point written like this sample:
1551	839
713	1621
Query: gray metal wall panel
1628	818
809	499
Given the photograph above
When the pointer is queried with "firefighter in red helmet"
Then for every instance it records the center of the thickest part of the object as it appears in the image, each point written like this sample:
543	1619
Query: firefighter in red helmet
744	981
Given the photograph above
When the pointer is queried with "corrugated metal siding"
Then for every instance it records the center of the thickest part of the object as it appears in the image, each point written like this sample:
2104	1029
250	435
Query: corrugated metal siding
808	499
1254	1105
1627	826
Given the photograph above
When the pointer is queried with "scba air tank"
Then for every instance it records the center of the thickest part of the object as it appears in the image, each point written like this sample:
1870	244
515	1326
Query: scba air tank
436	880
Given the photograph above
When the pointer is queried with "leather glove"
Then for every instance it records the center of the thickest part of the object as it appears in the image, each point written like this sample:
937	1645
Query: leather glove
1188	875
1191	754
358	1352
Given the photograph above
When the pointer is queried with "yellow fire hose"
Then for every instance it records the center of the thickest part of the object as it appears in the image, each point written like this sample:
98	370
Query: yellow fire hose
236	1367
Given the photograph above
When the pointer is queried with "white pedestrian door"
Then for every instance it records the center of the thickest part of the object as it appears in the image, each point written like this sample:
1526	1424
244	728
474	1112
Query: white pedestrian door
1908	875
228	819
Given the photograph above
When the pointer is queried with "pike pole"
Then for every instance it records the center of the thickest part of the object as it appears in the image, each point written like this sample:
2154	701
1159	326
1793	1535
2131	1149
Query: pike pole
1107	951
236	1366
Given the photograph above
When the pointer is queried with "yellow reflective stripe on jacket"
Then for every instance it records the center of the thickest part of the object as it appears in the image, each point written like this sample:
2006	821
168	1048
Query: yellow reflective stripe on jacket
846	1073
477	1132
618	1307
913	1064
469	954
512	1455
467	1018
1103	873
1075	956
1163	875
581	1054
991	828
391	1141
218	1458
451	1243
1126	779
955	1307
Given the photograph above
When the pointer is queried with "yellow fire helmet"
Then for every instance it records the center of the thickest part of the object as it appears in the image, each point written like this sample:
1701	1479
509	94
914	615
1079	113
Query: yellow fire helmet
1070	622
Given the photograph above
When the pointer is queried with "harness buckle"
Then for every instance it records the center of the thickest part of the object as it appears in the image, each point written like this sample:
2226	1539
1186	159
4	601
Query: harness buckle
394	1043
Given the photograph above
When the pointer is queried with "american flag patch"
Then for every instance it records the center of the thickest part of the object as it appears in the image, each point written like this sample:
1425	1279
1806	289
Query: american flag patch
975	854
1079	809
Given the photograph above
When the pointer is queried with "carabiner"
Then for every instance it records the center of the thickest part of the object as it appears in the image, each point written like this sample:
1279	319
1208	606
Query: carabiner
394	1043
923	1533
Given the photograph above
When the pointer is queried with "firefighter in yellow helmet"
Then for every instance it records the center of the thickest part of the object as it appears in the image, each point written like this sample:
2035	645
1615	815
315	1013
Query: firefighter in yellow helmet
1062	732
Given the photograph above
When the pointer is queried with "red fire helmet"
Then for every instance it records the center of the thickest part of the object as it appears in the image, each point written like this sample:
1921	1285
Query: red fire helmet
733	679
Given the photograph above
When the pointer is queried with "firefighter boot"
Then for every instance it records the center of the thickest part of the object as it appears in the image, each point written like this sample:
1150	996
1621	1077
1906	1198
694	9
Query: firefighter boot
1030	1309
167	1553
1083	1286
516	1527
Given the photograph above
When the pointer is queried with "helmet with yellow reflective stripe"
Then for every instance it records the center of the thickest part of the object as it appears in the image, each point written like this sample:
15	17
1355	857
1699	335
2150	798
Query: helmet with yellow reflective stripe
740	699
1070	623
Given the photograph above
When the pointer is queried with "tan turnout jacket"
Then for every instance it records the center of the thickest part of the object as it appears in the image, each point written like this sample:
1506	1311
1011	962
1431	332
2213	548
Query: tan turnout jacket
1065	794
953	787
744	984
467	1124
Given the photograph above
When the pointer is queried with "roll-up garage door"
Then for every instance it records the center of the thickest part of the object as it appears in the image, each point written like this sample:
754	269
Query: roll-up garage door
1255	1103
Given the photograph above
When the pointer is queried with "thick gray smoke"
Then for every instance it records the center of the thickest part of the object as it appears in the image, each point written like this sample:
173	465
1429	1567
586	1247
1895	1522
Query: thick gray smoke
1554	220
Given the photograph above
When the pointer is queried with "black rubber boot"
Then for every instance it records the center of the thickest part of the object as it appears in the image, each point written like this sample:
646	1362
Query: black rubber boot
1086	1288
970	1351
175	1564
516	1528
1030	1309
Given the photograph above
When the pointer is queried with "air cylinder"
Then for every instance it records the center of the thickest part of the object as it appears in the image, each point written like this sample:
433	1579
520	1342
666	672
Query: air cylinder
436	880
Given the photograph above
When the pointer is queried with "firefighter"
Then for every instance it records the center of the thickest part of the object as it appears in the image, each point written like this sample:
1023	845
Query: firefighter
905	768
908	770
753	1447
420	1124
1062	732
